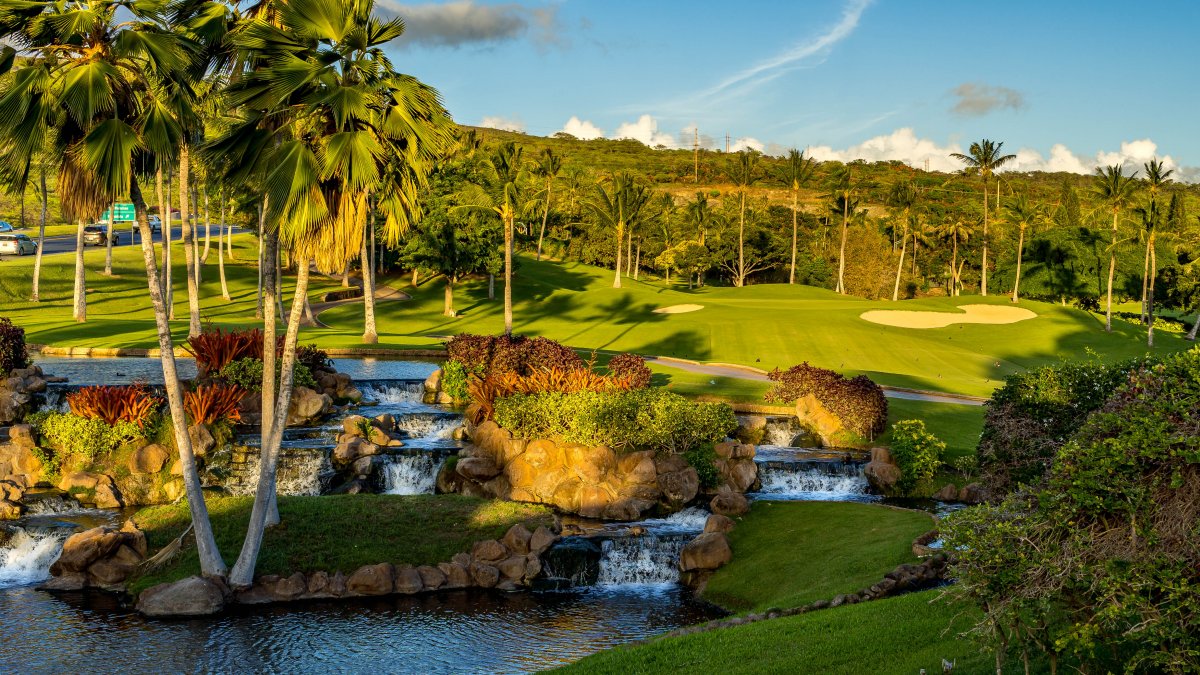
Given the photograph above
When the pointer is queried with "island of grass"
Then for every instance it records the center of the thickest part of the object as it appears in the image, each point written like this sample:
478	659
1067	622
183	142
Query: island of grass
788	554
338	532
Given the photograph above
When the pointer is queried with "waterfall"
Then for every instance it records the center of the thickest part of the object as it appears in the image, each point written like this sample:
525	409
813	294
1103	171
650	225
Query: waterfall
25	556
51	505
831	481
428	425
691	519
391	392
648	559
411	474
300	472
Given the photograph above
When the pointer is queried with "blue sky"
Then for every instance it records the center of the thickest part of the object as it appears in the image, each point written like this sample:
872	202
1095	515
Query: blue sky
1066	85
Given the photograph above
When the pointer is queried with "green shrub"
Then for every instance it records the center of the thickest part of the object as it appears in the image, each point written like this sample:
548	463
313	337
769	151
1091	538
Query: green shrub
642	419
918	453
454	379
313	358
248	374
70	435
704	460
51	466
13	354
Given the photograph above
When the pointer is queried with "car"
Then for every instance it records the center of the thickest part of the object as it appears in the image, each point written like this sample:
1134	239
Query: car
155	224
97	235
5	226
17	244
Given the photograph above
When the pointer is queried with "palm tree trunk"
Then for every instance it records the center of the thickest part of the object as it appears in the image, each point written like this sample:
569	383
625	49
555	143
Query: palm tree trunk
508	252
954	267
168	267
1150	297
211	564
637	261
370	334
795	225
279	267
1112	271
545	217
841	283
258	309
346	275
108	244
207	235
1020	255
37	258
900	266
189	252
221	232
983	269
80	299
163	223
740	280
448	304
1146	279
1192	333
629	253
617	268
242	575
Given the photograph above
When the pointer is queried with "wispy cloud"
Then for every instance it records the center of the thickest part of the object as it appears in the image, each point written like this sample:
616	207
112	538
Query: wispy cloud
975	99
465	22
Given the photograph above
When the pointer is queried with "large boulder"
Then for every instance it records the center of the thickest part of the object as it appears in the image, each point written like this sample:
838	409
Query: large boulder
730	504
817	418
706	552
477	468
307	405
202	439
372	580
10	509
149	459
193	596
882	472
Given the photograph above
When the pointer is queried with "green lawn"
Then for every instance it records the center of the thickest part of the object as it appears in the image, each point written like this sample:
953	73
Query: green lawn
343	532
765	325
788	554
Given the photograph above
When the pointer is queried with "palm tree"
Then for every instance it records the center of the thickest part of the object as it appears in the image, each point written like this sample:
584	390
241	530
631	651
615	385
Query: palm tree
324	128
621	210
501	194
1112	187
983	161
700	218
1157	177
547	168
447	250
798	170
1023	214
744	175
903	198
842	188
956	230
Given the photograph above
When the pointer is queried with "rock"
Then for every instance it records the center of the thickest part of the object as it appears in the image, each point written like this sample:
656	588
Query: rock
679	487
306	405
78	480
288	588
84	548
533	566
718	523
706	552
739	474
408	581
355	425
151	458
541	540
112	571
512	568
193	596
66	582
484	576
816	417
433	383
731	504
517	539
371	580
882	472
348	452
489	551
135	538
21	435
948	493
386	422
362	467
432	578
456	575
107	496
477	468
10	510
202	439
318	585
973	493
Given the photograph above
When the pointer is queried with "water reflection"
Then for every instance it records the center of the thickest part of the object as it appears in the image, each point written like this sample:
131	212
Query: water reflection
460	632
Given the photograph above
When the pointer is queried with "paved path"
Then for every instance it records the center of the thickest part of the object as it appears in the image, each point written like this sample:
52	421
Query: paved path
382	293
757	375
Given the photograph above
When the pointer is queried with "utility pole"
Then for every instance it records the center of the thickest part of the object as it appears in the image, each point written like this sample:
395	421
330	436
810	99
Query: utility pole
726	141
696	152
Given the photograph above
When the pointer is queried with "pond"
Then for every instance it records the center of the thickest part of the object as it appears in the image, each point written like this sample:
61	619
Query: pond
129	369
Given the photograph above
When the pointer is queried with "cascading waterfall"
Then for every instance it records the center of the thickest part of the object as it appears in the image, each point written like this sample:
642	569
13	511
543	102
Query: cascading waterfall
832	481
298	474
386	392
414	474
648	559
26	556
428	425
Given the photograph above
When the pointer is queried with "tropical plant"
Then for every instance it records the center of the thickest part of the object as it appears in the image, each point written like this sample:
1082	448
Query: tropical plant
983	160
903	199
13	353
956	230
214	349
1023	215
918	455
111	404
1112	187
857	402
745	173
1157	177
213	403
843	186
620	209
798	170
547	168
632	368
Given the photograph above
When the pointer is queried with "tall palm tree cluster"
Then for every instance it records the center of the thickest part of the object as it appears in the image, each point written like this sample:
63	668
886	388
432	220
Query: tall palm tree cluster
291	101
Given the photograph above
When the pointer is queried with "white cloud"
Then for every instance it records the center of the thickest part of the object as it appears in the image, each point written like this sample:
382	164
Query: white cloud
901	144
503	124
645	129
747	143
582	129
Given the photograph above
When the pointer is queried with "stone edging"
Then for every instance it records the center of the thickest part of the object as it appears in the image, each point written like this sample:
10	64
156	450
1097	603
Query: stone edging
51	350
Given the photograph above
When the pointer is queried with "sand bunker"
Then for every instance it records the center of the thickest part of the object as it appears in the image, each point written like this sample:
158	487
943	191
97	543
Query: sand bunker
678	309
970	314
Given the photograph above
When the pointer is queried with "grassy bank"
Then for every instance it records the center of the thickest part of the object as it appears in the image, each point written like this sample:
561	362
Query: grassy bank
787	554
956	424
340	532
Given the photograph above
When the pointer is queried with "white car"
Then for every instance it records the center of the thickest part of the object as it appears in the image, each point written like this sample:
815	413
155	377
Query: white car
155	224
17	244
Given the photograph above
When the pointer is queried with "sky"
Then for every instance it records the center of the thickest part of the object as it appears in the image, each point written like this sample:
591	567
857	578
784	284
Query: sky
1065	85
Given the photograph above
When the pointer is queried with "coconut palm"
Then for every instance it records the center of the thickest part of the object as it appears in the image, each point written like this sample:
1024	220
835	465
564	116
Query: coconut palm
745	173
843	186
700	218
547	169
956	230
1157	178
903	199
798	170
326	123
620	209
1023	215
983	160
1115	190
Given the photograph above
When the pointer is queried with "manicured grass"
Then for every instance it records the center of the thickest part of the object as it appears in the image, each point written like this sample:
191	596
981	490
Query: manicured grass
956	424
764	325
343	532
708	387
898	635
788	554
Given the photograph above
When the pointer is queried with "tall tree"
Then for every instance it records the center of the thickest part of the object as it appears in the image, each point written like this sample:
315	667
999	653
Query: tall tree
1157	178
983	160
843	186
903	200
798	170
619	208
1115	190
547	169
1023	214
699	218
745	173
956	230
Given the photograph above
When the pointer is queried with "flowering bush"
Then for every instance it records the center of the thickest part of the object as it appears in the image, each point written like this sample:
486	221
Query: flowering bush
631	367
857	402
918	454
13	354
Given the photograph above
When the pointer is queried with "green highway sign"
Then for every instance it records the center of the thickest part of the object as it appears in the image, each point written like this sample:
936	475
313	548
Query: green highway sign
119	213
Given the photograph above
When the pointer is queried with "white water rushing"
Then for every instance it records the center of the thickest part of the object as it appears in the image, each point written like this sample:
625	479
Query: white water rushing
640	560
295	475
26	557
411	474
846	484
428	426
402	392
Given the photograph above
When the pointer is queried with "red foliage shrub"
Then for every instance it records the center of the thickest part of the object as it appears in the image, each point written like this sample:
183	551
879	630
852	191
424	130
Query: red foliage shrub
215	349
131	403
630	367
858	402
485	355
213	402
13	354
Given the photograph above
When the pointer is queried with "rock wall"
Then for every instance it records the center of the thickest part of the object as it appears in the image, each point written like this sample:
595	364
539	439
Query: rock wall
17	393
594	482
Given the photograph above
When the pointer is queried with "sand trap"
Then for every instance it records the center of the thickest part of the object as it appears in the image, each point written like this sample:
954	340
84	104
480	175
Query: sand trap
970	314
678	309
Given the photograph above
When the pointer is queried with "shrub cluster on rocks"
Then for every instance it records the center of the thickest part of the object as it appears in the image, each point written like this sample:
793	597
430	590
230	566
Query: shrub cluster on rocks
857	402
13	354
485	355
918	454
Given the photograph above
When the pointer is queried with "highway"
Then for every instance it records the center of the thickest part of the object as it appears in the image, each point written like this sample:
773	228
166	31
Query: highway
66	243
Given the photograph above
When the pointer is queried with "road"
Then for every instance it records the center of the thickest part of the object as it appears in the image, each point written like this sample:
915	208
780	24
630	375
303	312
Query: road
66	243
